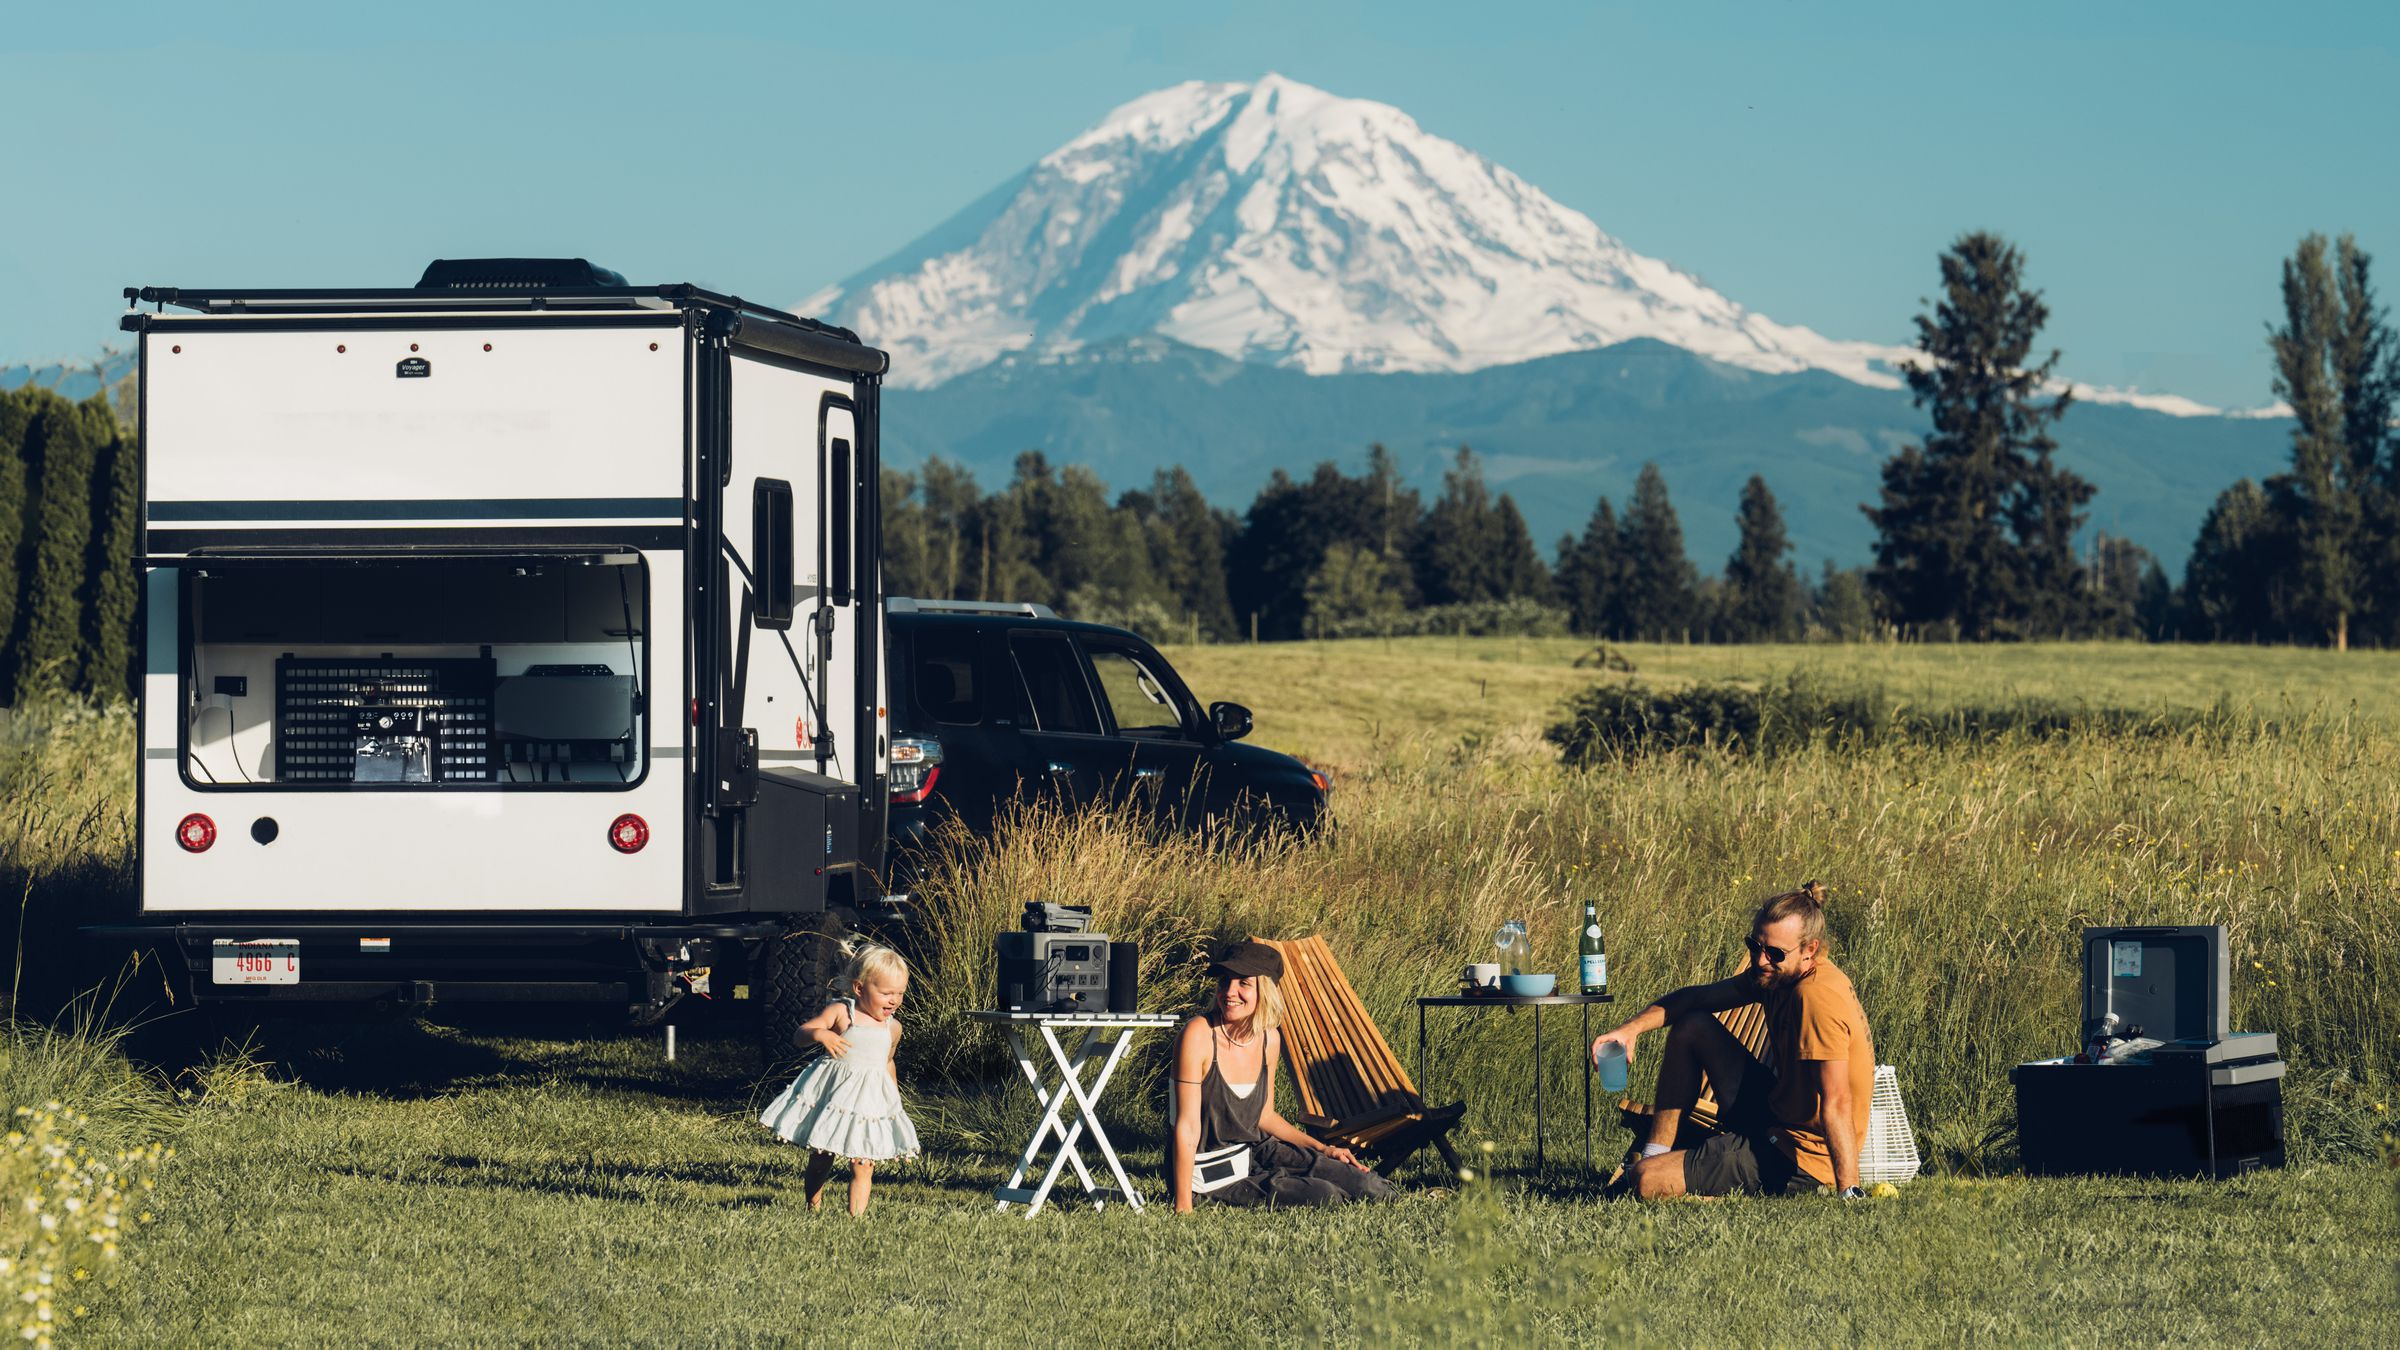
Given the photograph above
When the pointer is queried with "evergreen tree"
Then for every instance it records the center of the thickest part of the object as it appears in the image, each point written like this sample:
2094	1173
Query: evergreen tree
1842	606
112	581
1660	584
1458	547
2237	585
1187	548
1290	525
2054	591
1518	572
1004	546
1763	595
906	542
2122	575
50	651
1591	575
1354	590
1972	522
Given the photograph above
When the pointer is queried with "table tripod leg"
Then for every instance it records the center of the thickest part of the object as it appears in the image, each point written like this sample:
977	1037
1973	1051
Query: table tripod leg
1538	1162
1583	1013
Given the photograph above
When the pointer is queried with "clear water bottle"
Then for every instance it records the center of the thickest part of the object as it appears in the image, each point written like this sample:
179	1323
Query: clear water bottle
1595	953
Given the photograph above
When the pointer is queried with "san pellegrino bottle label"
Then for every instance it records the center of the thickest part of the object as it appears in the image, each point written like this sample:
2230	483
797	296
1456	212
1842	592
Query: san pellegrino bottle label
1594	953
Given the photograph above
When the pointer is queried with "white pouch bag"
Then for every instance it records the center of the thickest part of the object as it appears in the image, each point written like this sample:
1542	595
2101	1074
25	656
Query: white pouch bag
1219	1168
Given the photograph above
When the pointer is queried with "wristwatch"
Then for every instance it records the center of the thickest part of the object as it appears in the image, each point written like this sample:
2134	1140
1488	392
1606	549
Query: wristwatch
1853	1193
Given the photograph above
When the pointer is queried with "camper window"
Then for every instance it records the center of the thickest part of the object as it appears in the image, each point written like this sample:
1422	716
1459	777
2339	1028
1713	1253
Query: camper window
416	673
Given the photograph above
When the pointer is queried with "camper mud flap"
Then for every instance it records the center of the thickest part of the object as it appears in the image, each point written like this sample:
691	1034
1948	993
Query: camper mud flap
800	843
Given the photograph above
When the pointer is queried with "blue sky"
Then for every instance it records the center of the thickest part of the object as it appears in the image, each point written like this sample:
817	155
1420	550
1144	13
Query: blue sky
2154	161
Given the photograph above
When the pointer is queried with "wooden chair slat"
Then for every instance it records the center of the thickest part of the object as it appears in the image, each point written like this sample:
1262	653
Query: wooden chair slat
1345	1070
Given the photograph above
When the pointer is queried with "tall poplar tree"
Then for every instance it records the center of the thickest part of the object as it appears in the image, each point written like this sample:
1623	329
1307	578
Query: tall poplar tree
16	422
50	654
1972	522
2323	494
111	578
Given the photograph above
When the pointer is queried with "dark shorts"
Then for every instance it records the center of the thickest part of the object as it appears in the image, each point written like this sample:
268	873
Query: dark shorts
1743	1163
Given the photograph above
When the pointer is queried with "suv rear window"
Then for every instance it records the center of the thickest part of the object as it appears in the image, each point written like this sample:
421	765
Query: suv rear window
1054	685
944	675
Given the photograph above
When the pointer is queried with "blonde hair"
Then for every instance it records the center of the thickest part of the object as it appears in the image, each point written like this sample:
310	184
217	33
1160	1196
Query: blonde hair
1808	903
869	962
1268	1015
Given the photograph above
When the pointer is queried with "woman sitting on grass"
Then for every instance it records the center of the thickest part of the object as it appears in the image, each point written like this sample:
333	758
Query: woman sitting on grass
1225	1141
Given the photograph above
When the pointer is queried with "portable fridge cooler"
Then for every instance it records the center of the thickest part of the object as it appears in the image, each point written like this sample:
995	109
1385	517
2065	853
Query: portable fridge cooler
2206	1101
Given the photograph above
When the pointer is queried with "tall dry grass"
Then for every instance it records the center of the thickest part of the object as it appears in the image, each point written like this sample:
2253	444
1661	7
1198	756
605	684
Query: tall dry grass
1961	876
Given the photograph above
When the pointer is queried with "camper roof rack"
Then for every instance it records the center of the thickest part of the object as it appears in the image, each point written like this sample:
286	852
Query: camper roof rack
478	283
454	285
901	604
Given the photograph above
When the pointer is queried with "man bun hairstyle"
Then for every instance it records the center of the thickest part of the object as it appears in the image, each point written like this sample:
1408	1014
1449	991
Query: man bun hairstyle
1807	903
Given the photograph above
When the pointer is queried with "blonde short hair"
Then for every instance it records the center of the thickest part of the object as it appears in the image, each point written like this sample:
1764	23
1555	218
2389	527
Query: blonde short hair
1269	1013
869	963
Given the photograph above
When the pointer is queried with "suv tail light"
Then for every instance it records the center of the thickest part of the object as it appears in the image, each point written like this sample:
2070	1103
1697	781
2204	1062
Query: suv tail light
916	766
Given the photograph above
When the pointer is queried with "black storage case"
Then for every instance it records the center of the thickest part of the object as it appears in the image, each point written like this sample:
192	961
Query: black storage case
2205	1102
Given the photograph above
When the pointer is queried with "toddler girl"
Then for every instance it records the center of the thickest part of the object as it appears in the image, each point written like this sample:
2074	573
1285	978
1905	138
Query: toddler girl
848	1103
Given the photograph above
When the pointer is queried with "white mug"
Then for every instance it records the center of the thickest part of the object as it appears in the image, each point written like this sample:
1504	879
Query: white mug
1482	975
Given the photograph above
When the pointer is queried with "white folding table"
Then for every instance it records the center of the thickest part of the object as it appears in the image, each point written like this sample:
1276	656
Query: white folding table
1105	1039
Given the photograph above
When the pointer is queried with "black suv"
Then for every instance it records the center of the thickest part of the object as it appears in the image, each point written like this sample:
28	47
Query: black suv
992	702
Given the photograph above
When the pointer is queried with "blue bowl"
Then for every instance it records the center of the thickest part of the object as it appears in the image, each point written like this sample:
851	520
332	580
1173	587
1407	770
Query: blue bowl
1528	986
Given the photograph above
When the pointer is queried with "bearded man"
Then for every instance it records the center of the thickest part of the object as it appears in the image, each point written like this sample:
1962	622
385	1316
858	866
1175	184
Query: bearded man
1790	1121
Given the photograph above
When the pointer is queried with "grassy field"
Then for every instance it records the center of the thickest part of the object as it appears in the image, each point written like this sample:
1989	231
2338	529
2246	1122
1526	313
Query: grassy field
402	1182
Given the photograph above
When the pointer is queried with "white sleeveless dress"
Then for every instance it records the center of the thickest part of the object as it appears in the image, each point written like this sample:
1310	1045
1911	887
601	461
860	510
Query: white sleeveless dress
848	1107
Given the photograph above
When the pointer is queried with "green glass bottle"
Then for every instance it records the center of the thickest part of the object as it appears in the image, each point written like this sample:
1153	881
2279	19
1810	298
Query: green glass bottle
1595	952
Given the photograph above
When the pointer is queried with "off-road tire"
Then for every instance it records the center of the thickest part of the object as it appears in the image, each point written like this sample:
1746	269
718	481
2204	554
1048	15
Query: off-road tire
795	975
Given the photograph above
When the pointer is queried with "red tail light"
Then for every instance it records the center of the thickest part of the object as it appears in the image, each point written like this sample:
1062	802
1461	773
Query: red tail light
923	789
628	832
196	833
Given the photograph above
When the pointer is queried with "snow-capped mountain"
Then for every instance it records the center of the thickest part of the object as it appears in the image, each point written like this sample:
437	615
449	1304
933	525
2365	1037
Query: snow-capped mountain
1282	225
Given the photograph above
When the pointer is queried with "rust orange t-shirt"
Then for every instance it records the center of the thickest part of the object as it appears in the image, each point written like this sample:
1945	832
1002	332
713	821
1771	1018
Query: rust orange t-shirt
1817	1019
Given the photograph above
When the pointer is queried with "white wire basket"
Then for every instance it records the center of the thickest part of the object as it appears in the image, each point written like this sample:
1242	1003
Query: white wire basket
1890	1153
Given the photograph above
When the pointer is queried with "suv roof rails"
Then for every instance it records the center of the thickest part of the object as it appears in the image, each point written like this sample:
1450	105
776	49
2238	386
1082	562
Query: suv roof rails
901	604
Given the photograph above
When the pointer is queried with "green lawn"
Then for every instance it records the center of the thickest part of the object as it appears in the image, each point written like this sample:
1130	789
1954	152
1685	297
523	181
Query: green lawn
433	1185
408	1184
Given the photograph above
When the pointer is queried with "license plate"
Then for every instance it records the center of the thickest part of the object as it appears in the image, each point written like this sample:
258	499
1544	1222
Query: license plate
264	961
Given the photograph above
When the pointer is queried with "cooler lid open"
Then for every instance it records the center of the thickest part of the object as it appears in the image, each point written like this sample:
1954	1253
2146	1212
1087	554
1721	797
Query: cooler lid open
2166	983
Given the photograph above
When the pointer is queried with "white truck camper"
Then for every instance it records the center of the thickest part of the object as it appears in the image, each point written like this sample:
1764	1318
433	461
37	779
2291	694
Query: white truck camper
510	637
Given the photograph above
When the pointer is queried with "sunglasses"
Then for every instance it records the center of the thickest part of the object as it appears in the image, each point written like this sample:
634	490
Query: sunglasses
1774	955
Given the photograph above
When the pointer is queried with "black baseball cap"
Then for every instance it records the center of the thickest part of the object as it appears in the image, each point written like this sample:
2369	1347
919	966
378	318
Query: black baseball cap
1246	958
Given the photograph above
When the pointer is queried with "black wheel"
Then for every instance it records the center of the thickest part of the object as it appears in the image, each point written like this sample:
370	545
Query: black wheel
795	975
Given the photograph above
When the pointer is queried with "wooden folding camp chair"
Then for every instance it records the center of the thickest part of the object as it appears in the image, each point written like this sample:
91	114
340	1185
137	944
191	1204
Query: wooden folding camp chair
1748	1024
1353	1091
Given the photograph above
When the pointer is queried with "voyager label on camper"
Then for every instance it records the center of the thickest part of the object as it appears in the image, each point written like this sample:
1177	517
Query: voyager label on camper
415	368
